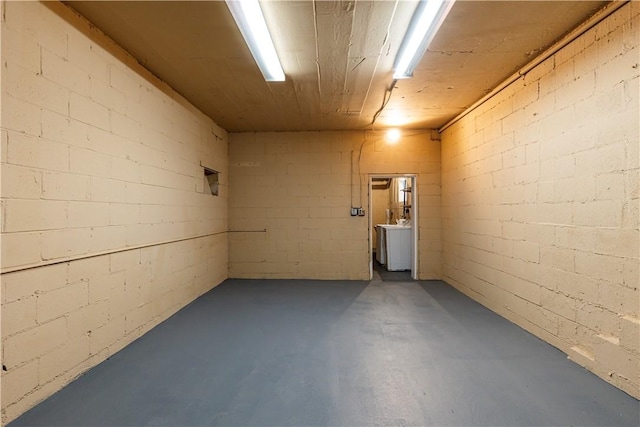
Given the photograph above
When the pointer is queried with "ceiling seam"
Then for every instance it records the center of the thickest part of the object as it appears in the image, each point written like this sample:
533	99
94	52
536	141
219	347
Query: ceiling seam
380	53
315	29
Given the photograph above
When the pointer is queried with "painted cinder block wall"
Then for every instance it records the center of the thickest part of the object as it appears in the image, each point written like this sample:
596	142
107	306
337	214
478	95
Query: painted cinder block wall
299	187
540	201
97	156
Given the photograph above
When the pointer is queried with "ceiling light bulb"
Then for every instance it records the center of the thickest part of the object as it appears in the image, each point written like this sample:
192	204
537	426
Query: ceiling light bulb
425	23
393	135
249	18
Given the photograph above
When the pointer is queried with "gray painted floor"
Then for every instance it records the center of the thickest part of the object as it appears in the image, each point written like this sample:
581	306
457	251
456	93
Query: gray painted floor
339	353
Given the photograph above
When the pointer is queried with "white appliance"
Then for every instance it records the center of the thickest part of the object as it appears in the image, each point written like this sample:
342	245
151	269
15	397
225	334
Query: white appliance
380	243
393	247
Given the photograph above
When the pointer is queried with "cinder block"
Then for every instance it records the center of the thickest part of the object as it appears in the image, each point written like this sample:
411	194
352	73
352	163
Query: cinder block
581	238
83	321
604	159
89	162
56	127
88	214
602	267
141	316
84	53
64	73
598	319
622	362
23	347
100	287
61	360
26	283
630	333
580	87
34	215
65	243
30	86
618	242
513	230
165	178
601	213
124	83
107	190
577	286
576	189
35	152
23	51
527	251
125	126
610	186
631	273
107	335
18	316
21	116
65	186
542	234
20	249
61	301
35	396
630	214
18	382
559	303
108	238
123	300
88	111
124	214
51	29
126	170
101	92
619	299
558	258
85	269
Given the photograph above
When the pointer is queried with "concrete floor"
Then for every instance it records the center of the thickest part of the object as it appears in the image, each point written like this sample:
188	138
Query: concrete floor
338	353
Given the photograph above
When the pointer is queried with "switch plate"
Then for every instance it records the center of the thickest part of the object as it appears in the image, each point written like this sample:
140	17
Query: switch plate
354	211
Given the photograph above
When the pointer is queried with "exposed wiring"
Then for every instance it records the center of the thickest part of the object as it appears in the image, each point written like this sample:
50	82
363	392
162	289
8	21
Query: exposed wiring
361	176
381	53
385	101
364	141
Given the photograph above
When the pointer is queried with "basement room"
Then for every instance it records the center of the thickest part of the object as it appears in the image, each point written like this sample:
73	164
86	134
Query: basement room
320	213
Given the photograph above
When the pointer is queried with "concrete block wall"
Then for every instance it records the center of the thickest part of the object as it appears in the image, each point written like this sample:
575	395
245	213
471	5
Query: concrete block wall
540	200
380	202
106	228
299	187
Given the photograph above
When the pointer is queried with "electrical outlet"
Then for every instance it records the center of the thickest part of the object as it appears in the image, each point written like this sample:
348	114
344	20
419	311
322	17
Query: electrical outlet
354	211
360	212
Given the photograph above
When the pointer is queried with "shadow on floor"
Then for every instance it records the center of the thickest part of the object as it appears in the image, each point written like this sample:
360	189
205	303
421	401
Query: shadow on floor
338	353
391	276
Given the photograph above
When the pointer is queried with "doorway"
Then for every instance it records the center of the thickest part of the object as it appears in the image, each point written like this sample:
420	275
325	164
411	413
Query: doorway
393	224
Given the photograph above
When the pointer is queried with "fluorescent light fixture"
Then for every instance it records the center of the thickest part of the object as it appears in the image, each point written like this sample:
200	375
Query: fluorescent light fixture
425	23
249	18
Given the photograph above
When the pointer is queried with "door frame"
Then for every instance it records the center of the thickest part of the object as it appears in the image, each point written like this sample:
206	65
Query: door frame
414	220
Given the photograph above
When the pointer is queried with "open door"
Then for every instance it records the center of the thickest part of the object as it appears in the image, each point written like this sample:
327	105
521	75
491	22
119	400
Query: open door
393	220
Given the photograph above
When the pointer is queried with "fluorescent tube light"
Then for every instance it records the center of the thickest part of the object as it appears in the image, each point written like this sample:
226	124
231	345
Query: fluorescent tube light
425	23
249	18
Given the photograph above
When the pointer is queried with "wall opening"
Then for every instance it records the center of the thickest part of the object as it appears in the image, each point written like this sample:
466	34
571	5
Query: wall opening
211	181
393	220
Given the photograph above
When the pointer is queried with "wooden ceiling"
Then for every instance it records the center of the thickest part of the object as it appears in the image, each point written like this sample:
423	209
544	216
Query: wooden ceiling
337	57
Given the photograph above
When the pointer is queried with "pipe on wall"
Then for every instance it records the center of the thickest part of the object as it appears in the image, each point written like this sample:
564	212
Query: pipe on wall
555	48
